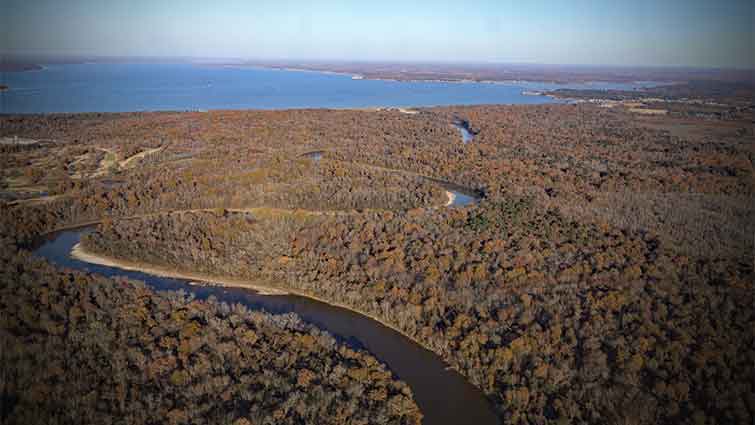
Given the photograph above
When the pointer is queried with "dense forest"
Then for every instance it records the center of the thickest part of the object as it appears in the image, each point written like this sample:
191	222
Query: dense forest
531	307
82	349
605	276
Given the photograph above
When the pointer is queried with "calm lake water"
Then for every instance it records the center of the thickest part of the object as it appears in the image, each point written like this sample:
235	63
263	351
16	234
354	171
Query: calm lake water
178	87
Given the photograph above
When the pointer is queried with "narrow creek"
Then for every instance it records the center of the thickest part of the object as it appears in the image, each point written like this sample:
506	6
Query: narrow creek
466	132
315	155
443	395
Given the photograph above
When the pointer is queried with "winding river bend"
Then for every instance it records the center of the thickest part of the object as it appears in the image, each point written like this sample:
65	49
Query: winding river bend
443	395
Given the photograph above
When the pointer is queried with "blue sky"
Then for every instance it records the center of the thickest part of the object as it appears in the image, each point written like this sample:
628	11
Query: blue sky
661	32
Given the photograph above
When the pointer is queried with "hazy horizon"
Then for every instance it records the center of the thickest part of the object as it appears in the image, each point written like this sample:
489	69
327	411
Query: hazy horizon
231	61
677	33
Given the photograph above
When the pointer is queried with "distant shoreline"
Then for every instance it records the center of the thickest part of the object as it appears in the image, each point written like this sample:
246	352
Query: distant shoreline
500	73
454	80
20	67
359	76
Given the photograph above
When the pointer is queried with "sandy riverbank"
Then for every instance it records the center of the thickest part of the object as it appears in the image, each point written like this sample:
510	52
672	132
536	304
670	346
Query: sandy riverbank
451	198
79	253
